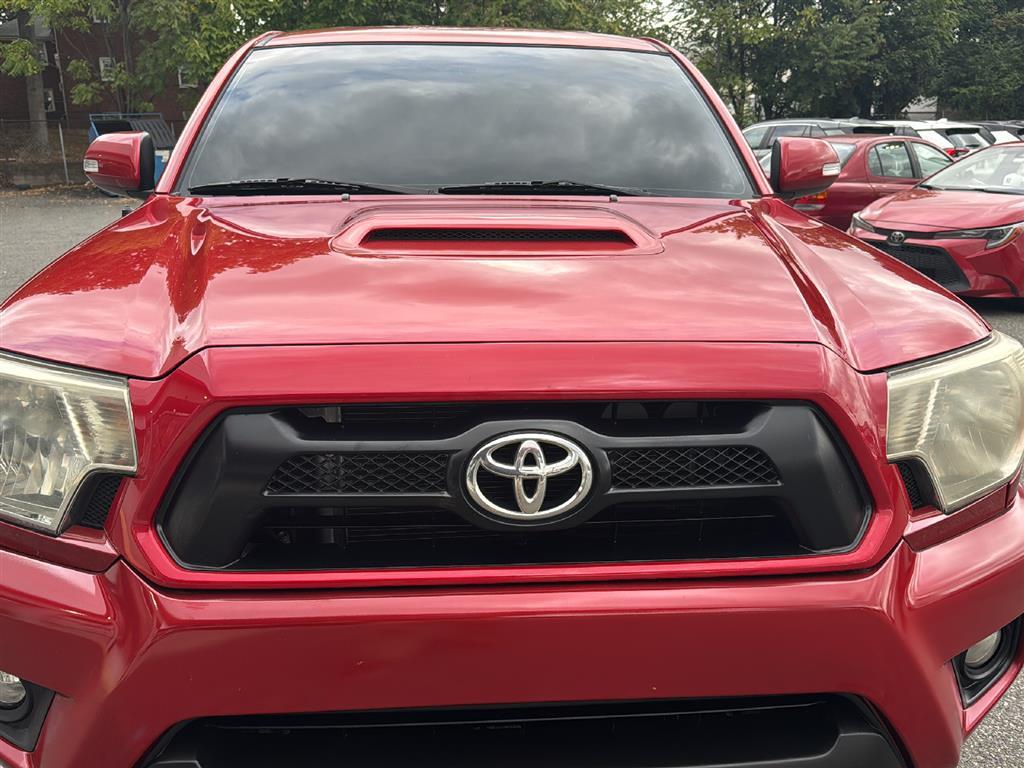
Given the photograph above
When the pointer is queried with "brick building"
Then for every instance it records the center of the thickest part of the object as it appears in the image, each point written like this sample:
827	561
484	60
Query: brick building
55	50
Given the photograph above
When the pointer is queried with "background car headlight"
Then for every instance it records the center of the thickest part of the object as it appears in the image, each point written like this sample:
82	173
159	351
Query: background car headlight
993	237
858	223
56	426
962	417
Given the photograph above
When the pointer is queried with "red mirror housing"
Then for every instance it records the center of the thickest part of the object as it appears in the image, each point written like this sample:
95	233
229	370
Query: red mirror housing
803	166
121	163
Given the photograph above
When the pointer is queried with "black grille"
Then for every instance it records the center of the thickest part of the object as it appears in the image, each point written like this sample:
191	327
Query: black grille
934	263
408	537
384	486
910	482
501	235
92	510
377	472
809	731
691	467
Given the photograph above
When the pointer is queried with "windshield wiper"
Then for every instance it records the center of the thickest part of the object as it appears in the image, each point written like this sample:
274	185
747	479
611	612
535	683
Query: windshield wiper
296	186
555	187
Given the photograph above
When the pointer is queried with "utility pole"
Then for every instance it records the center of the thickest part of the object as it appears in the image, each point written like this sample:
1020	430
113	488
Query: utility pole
34	85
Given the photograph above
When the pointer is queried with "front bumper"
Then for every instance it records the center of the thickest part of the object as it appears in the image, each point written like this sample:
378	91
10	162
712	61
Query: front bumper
129	661
995	273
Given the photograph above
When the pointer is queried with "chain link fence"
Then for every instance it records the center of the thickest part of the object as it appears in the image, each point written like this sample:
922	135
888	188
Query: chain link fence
40	153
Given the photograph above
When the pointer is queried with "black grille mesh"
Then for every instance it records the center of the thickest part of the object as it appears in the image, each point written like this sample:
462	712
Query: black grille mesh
100	499
910	481
371	472
691	467
934	263
500	235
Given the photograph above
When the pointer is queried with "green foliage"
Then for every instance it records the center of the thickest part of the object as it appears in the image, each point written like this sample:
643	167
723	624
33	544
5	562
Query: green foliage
982	73
766	57
856	57
18	59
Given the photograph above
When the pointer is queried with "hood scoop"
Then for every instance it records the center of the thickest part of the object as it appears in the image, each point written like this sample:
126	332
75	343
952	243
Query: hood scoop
402	234
487	233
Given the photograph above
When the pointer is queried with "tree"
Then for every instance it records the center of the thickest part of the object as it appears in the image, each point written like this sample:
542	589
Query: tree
150	39
818	57
202	33
20	58
982	72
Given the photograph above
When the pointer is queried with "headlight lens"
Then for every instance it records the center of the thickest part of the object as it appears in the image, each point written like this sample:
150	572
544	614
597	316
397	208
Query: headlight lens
993	237
858	223
962	417
56	426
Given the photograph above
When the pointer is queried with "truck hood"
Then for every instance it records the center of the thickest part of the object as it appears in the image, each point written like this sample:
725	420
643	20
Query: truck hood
181	274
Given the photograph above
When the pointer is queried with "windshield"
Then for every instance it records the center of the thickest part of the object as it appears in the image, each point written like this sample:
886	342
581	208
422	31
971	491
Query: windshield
968	140
427	116
998	169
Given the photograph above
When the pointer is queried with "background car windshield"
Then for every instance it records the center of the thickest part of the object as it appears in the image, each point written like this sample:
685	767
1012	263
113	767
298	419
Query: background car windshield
1000	168
425	116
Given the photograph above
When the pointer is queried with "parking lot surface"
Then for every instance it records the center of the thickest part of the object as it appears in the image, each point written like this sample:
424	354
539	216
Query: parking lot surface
36	227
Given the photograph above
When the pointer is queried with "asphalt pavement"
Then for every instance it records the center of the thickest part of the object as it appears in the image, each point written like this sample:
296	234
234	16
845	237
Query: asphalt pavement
36	227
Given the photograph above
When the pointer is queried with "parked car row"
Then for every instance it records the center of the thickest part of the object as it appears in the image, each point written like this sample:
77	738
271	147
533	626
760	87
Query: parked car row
903	189
872	167
954	138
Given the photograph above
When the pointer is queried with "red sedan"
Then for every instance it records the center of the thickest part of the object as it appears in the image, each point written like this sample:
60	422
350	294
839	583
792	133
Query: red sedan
962	228
873	167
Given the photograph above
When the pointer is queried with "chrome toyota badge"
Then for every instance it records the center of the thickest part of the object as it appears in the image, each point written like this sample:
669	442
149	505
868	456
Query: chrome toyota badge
526	461
897	238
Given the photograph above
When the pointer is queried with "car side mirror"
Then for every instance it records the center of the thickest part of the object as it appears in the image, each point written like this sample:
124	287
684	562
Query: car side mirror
802	166
121	163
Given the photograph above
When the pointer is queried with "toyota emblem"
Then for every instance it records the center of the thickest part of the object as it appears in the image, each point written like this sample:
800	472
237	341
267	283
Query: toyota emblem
527	461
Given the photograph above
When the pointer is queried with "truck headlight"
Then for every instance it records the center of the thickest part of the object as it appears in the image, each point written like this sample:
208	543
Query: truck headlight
962	417
56	426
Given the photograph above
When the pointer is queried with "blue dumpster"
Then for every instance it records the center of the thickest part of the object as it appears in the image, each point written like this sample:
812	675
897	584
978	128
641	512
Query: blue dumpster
152	123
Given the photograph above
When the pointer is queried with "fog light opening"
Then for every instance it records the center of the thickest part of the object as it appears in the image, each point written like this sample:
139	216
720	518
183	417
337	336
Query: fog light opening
12	691
983	664
979	655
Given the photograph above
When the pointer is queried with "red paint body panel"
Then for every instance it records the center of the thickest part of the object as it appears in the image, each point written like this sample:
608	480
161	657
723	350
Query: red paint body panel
211	304
179	275
884	634
356	35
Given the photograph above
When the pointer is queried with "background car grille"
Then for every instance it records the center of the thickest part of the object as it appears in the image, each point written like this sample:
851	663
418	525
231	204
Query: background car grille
368	487
934	263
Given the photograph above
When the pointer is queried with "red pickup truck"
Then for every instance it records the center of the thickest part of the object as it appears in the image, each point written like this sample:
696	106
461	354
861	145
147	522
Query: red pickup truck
464	398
